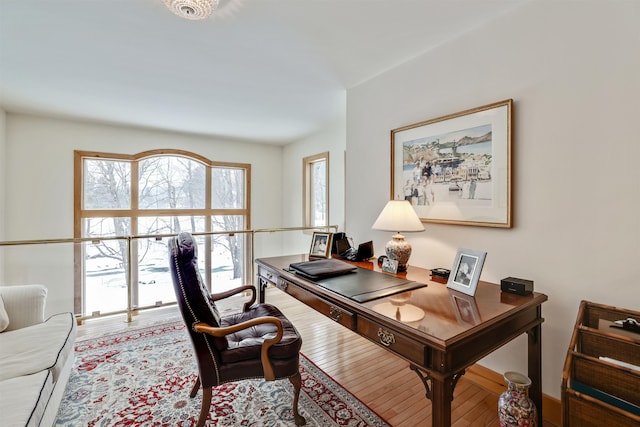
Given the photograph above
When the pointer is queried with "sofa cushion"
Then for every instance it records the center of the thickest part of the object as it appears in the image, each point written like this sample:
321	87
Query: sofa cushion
24	304
39	347
24	399
4	317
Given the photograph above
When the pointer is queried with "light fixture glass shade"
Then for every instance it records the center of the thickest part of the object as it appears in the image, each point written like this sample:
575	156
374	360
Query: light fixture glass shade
192	9
398	215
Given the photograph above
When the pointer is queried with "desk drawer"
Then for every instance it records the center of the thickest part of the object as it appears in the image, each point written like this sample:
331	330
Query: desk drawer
332	311
268	275
394	341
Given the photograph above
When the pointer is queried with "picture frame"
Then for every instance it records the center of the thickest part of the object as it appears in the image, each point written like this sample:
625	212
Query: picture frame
456	169
390	265
320	245
465	308
466	270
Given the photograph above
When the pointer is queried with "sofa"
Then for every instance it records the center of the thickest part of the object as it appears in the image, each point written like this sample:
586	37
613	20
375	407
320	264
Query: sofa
36	357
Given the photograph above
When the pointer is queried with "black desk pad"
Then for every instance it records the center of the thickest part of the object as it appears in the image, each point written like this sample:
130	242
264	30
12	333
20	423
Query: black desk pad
321	269
366	285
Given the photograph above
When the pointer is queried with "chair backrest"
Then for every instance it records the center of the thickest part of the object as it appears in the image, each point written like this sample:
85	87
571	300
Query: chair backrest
195	304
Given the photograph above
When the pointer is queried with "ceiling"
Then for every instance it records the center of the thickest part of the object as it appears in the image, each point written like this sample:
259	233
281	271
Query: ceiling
269	71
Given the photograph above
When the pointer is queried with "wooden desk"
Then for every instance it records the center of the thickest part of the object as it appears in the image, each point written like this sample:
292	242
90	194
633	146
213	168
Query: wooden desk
455	332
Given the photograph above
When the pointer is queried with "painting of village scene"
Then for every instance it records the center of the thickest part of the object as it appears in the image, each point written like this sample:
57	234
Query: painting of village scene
452	167
456	169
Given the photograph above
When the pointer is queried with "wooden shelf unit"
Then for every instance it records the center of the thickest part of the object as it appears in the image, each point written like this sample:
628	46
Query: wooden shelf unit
596	389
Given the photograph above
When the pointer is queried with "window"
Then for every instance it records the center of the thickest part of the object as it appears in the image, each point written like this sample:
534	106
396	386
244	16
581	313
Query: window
316	190
148	194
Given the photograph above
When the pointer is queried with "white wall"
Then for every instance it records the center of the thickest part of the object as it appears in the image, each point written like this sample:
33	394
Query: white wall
39	187
573	70
332	139
3	143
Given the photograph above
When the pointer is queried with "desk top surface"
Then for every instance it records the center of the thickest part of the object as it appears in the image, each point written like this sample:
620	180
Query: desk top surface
433	310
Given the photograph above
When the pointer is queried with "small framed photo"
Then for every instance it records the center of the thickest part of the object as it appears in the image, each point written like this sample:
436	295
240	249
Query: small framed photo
390	266
466	270
320	245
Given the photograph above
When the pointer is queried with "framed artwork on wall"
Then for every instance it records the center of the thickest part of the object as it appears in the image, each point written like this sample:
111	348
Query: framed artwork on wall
456	169
466	270
320	245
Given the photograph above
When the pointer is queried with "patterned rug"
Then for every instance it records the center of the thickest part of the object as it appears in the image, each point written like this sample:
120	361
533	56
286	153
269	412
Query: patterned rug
143	378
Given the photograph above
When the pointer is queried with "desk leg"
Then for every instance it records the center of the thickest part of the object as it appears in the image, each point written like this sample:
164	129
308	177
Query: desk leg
440	392
441	401
262	286
535	368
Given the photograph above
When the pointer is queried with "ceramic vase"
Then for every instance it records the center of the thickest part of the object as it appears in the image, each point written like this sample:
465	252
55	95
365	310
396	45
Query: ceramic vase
515	408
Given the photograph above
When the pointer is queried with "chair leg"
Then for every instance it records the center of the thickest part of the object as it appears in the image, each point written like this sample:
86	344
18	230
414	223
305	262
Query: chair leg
195	388
206	404
296	380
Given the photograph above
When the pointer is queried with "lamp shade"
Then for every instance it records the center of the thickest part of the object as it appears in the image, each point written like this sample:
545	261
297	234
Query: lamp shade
399	216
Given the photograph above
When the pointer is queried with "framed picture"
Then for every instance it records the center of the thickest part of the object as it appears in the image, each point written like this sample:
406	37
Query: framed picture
465	307
456	169
466	270
320	245
390	265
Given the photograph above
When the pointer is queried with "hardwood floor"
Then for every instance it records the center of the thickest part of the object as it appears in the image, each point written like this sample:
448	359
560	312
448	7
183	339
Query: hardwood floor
381	380
378	378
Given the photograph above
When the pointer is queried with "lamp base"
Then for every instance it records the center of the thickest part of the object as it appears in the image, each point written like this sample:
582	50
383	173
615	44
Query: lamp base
400	250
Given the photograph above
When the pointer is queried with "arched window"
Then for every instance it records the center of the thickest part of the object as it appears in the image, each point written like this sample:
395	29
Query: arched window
148	194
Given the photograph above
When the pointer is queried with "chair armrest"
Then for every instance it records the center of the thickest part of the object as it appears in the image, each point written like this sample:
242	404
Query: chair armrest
267	367
224	331
235	291
24	305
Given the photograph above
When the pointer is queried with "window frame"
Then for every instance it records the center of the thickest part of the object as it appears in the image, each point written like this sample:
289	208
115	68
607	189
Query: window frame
307	182
134	212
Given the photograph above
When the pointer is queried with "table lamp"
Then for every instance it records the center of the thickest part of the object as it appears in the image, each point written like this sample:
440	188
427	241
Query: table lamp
398	216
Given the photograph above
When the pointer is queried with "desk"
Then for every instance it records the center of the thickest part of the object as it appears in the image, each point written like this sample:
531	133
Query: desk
455	332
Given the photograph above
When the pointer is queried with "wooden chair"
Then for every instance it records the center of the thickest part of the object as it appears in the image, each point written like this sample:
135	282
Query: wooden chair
259	342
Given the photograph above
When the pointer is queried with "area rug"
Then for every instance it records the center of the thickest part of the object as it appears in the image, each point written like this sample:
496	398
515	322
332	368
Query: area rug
143	378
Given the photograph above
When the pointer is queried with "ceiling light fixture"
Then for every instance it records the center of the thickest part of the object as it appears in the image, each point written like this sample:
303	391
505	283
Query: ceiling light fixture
192	9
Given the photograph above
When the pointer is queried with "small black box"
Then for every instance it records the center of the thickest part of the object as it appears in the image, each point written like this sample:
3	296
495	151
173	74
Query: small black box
514	285
440	272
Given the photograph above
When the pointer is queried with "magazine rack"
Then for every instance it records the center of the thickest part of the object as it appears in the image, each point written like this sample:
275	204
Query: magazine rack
601	375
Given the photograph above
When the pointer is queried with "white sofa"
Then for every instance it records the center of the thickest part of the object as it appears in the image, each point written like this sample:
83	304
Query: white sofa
36	357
